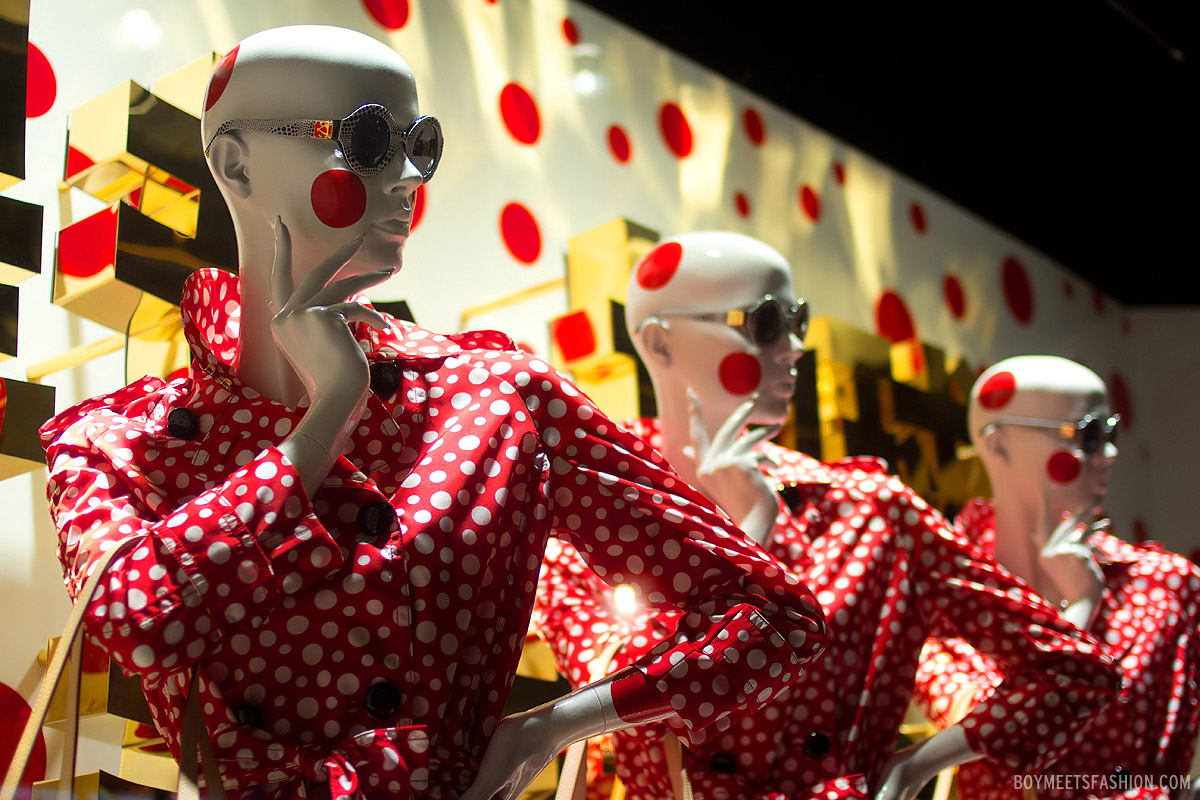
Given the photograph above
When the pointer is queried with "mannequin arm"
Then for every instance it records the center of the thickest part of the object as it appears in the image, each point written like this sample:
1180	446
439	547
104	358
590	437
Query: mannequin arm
525	743
909	770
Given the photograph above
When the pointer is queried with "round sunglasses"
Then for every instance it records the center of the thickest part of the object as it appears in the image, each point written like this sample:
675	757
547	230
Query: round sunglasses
762	322
369	138
1090	434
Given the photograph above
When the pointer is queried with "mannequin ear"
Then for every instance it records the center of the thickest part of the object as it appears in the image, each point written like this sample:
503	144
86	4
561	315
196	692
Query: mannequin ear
993	442
656	343
228	158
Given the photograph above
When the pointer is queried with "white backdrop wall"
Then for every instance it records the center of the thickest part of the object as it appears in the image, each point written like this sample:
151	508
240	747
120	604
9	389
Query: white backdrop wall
852	228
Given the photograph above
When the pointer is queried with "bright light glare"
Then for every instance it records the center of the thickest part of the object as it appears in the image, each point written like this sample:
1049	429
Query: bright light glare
625	599
140	27
585	82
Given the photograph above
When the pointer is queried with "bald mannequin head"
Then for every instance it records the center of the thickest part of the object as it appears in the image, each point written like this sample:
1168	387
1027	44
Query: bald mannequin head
309	72
703	273
1023	415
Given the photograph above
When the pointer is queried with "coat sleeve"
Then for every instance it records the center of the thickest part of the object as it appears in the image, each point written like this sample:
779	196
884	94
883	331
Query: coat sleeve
748	627
203	567
1055	676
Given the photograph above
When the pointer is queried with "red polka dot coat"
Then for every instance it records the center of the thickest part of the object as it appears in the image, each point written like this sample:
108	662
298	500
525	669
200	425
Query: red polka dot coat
885	567
1149	618
367	638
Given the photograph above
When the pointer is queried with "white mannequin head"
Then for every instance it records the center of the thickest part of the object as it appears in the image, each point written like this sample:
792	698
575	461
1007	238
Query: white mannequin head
310	72
1025	459
713	272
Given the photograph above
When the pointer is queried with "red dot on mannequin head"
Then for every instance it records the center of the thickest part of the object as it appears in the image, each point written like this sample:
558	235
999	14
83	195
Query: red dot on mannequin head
676	131
339	198
220	78
740	373
520	113
1063	467
659	265
997	390
618	143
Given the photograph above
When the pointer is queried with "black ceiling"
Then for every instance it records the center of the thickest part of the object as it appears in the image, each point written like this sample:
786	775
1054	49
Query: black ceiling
1070	124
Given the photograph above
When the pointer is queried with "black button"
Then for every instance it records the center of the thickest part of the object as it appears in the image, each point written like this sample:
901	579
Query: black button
376	518
385	378
817	745
182	423
723	763
246	714
382	700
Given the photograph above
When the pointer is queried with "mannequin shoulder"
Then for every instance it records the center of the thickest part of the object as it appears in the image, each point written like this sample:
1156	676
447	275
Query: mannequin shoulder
129	407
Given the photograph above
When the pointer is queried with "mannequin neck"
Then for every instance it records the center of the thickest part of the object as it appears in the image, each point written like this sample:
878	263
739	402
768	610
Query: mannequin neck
1017	548
260	364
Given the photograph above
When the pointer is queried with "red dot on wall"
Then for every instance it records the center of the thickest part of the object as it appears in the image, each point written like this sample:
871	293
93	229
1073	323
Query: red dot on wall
14	712
391	14
520	232
1098	301
659	265
839	173
1068	289
618	143
676	131
1018	292
570	31
220	78
753	124
418	208
41	85
89	245
810	202
916	216
952	291
77	162
520	113
1118	396
741	205
574	335
892	319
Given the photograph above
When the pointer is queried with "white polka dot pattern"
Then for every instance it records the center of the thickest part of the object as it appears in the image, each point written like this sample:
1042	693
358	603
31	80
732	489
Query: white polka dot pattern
368	638
885	567
1149	619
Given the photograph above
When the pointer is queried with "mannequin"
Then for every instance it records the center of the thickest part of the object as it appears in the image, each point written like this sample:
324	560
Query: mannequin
883	563
343	514
1043	427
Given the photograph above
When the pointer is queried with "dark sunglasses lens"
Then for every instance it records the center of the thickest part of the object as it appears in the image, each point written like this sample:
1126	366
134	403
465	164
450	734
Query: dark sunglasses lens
766	323
1096	433
370	139
423	146
800	320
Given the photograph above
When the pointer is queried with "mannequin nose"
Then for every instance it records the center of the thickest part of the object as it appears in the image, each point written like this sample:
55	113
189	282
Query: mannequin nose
401	176
795	346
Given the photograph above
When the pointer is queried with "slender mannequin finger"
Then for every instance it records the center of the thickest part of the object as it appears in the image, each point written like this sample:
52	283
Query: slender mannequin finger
696	429
281	269
728	433
756	437
344	289
356	312
320	277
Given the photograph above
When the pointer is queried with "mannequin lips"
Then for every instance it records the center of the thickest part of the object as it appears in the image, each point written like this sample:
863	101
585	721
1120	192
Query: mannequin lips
397	226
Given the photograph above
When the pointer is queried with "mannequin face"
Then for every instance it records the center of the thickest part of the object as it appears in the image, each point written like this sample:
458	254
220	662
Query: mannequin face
308	183
1026	462
721	364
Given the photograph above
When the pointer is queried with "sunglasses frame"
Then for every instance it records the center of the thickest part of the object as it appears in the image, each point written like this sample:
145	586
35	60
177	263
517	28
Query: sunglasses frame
342	131
1065	430
739	318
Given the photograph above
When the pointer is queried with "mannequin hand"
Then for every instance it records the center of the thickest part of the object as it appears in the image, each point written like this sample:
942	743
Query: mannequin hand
310	327
908	770
727	468
519	750
1066	559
